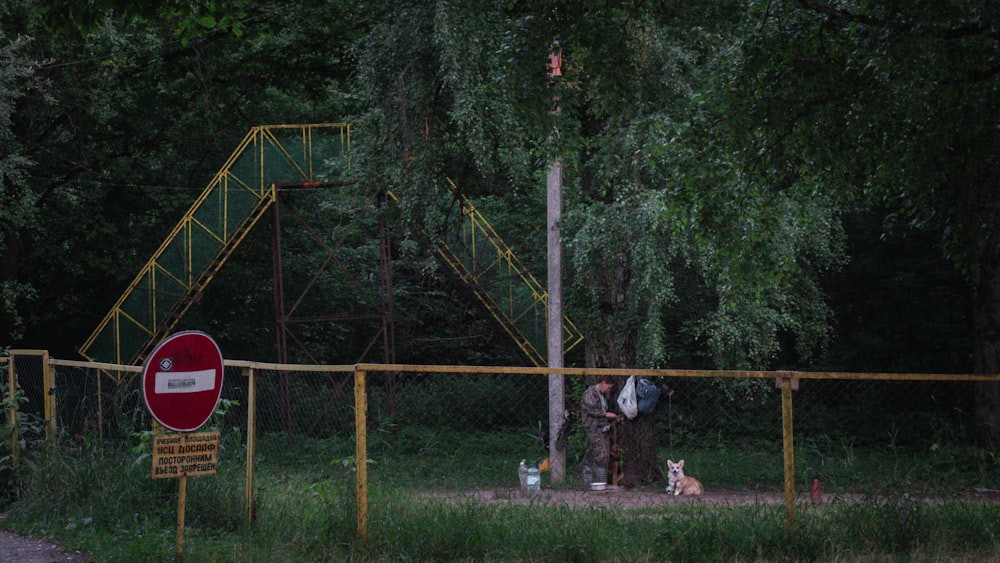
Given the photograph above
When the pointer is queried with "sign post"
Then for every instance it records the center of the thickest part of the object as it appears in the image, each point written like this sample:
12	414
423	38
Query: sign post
181	385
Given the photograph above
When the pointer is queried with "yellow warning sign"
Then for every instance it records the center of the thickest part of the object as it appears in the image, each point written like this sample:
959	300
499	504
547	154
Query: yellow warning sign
190	455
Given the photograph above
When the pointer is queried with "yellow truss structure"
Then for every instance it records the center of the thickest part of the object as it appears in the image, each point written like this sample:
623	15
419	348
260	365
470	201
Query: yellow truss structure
501	282
211	229
270	157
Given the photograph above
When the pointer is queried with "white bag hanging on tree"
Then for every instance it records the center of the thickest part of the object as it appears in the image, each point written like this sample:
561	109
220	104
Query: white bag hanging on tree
626	399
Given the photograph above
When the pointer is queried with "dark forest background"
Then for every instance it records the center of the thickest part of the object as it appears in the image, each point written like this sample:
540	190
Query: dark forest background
786	185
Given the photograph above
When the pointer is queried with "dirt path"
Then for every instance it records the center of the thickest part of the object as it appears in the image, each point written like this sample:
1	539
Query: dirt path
647	497
612	497
20	549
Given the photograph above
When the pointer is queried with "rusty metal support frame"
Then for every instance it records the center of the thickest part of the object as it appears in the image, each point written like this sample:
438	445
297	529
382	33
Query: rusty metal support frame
287	307
285	311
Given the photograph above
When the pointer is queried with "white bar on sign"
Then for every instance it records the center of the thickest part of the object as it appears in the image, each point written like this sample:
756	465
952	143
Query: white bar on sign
185	381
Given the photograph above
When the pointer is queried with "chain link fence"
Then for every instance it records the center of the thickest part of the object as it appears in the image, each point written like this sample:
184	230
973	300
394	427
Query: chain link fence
457	428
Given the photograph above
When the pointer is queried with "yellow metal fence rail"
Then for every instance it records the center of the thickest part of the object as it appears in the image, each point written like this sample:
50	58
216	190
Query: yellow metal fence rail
360	375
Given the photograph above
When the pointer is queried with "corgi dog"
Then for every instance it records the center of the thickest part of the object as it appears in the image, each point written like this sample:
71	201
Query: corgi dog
680	484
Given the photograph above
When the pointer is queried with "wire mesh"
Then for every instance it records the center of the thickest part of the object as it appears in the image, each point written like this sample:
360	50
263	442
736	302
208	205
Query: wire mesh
455	428
210	230
473	250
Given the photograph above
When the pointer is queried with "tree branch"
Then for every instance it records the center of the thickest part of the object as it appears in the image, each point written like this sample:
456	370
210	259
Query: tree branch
953	33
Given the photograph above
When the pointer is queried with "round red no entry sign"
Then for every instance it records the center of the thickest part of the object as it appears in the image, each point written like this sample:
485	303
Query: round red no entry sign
182	380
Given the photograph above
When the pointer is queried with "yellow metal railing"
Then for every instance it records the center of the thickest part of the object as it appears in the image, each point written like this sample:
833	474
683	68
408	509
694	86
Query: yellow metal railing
11	396
477	254
232	203
239	195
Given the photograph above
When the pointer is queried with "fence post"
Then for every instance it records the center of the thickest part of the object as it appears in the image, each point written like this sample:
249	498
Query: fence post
788	384
49	386
251	440
12	409
361	453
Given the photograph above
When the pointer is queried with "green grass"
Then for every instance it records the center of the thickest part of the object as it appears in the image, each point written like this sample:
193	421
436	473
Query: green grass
105	503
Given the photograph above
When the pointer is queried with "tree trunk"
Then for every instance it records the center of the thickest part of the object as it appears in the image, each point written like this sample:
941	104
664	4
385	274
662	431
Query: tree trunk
615	347
986	344
639	451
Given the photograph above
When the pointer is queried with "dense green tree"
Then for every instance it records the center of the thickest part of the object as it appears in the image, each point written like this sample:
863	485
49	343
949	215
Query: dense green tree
121	175
895	102
186	19
889	278
710	150
463	91
139	113
17	214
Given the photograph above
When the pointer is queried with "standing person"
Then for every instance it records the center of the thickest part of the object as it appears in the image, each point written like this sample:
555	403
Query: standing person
596	423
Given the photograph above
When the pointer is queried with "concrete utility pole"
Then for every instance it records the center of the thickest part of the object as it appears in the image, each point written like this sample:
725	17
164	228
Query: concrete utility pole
557	397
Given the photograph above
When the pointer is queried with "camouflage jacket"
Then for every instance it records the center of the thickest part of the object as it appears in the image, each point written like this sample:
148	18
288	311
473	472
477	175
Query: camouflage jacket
593	405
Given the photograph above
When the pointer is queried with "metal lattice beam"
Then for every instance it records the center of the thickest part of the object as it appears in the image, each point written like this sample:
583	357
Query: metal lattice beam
208	233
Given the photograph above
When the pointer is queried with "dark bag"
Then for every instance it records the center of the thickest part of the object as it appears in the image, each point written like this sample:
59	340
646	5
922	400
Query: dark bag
647	394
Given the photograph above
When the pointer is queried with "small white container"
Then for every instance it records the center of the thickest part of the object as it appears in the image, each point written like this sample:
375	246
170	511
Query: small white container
534	481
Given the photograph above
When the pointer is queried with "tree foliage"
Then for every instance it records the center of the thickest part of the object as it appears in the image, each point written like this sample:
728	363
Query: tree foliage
17	214
889	99
132	125
187	19
658	209
888	103
711	153
473	101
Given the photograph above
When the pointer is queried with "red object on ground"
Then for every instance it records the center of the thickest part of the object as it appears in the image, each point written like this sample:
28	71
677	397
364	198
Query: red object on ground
817	493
